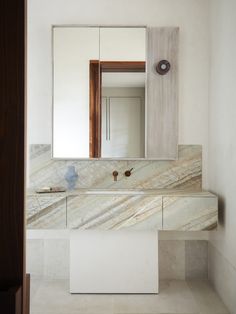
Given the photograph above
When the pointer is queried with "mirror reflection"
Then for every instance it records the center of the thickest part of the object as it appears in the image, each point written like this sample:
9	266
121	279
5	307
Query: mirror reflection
99	92
123	113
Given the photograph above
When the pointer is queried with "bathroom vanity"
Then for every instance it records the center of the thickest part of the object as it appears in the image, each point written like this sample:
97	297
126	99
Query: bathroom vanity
114	232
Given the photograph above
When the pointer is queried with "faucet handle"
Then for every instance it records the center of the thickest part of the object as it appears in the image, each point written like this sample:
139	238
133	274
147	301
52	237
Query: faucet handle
115	175
128	172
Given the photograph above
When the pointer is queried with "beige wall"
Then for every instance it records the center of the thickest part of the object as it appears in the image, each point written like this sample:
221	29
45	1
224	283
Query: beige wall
222	146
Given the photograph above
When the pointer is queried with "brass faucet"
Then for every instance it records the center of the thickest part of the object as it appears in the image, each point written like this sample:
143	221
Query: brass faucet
128	172
115	175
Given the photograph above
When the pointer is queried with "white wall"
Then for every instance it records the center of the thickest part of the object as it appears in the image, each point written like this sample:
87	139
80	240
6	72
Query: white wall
190	15
222	145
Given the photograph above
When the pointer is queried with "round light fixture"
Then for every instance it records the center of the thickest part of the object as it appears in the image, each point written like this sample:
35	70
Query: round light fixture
163	67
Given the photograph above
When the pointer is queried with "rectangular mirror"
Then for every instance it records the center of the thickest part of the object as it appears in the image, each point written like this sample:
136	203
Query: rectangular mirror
99	82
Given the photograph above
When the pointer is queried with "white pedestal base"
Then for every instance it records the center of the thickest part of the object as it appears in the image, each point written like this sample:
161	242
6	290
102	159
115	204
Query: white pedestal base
113	261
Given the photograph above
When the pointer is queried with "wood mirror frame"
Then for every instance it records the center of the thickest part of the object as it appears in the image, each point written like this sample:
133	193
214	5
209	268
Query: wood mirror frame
96	68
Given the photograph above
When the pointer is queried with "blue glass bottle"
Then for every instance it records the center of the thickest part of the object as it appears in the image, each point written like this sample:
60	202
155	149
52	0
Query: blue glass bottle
71	177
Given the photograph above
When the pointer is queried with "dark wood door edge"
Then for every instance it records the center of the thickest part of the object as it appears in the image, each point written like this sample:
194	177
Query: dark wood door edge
94	110
122	66
11	300
27	294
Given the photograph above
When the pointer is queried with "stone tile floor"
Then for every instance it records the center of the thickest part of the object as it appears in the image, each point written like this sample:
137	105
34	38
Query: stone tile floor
176	296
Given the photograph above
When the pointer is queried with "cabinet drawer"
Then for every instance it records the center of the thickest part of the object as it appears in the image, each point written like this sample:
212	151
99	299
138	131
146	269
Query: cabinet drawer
114	212
190	213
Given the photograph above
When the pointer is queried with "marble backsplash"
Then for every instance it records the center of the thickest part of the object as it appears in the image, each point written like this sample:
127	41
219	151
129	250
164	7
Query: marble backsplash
184	173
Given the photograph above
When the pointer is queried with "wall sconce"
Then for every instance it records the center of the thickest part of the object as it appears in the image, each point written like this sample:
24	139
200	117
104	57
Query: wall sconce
163	67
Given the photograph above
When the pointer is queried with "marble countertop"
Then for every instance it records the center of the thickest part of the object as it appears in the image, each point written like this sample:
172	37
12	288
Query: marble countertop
158	192
113	209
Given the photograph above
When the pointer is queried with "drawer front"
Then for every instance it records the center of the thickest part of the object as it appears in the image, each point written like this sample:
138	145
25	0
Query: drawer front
46	212
190	213
114	212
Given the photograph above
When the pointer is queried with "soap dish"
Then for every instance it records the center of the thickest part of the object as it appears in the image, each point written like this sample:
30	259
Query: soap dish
51	190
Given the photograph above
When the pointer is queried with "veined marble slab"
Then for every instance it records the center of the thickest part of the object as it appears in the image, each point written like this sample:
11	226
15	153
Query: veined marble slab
114	212
184	173
153	210
190	213
46	211
99	202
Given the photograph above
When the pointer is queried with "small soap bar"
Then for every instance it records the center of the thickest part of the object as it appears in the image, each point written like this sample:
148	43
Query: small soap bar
46	188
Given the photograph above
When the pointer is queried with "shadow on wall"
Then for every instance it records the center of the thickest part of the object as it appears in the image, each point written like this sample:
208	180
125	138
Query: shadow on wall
221	211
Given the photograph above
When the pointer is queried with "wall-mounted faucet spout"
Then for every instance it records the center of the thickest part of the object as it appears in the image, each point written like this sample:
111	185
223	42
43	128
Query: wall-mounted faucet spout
115	175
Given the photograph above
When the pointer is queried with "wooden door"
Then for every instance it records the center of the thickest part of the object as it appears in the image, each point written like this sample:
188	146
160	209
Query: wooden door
12	156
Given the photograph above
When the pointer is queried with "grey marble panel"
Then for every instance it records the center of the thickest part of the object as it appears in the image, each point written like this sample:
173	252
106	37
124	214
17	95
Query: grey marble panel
114	212
107	212
183	259
184	173
186	212
196	259
172	259
56	258
46	212
35	257
189	213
